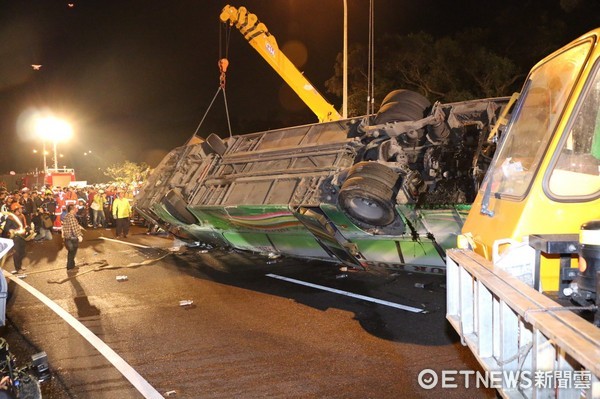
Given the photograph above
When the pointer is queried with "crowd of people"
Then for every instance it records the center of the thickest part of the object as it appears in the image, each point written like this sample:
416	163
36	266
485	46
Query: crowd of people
36	214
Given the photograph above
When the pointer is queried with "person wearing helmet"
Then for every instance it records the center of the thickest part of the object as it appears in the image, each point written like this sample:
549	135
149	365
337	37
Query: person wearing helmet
14	207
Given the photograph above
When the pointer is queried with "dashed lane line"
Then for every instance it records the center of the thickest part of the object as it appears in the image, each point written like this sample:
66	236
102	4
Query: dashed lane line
350	294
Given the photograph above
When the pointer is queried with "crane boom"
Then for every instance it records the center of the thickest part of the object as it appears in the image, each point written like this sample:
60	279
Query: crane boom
257	34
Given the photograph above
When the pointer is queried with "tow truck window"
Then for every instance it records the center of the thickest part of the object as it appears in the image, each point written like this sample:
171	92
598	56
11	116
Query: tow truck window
542	101
576	171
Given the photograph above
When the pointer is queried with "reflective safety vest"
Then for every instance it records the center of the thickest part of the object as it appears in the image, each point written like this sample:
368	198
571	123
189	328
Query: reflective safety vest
121	208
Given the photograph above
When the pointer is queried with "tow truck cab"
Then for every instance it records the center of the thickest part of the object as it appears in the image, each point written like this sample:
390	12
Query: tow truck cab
545	176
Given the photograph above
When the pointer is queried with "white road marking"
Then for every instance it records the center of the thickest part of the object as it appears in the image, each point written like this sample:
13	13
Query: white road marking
350	294
128	372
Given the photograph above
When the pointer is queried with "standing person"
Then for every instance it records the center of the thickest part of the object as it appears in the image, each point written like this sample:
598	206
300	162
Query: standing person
37	204
72	234
71	195
61	206
5	207
28	206
49	205
98	209
37	199
111	195
91	194
14	229
70	198
82	212
121	211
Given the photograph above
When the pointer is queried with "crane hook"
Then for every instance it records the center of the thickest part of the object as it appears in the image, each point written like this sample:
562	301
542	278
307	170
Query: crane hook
223	64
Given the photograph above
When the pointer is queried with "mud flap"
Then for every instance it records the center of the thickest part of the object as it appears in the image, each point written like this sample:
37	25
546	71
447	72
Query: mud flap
329	237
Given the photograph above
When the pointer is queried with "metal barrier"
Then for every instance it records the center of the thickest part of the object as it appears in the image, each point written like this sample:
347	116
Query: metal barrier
516	331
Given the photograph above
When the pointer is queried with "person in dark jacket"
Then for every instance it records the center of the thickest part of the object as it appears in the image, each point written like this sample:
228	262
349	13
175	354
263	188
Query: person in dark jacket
37	204
29	208
49	205
37	199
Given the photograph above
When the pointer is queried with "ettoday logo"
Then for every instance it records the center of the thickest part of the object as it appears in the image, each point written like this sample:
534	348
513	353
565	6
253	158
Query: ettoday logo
428	379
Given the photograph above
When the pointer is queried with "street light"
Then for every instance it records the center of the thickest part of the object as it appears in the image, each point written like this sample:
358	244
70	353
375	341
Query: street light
55	130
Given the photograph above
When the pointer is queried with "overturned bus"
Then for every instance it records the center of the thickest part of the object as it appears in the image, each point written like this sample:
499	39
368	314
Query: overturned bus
388	190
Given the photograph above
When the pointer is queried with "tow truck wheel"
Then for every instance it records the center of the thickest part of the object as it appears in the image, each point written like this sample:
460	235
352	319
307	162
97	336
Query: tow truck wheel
402	105
374	171
177	207
367	201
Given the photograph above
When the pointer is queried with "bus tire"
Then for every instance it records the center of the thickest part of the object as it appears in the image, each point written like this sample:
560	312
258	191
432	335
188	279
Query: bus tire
374	171
367	201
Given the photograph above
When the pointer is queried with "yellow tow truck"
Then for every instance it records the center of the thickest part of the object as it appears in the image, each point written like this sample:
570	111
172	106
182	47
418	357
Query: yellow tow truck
522	286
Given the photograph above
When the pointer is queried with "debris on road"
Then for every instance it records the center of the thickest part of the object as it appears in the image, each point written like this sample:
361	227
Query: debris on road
186	302
422	285
122	278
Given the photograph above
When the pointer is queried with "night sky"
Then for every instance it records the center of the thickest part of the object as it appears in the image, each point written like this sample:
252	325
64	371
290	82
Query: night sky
136	77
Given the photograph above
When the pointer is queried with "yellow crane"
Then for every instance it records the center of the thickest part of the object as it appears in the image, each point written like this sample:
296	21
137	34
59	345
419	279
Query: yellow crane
257	34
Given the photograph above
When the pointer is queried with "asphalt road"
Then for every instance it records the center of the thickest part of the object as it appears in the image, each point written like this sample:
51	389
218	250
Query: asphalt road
246	335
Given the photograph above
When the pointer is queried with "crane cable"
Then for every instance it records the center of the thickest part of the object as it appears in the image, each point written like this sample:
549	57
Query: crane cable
223	63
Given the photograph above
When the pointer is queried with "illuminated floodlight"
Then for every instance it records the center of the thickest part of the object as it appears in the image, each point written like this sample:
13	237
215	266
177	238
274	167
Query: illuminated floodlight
54	130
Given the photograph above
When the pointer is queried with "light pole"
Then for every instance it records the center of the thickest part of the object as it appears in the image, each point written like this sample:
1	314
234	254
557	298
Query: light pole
55	157
345	64
44	153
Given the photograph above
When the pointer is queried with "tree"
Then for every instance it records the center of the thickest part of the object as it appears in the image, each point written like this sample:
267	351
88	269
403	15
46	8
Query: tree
128	172
446	69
